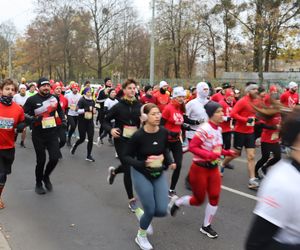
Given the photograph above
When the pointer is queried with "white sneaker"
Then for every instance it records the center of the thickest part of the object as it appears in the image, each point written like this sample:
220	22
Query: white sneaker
139	213
143	242
253	183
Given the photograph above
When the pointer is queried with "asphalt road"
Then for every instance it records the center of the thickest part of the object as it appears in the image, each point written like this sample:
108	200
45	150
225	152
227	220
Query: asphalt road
85	213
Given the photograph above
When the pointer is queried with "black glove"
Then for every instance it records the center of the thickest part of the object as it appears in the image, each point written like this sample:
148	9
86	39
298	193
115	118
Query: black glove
20	127
250	120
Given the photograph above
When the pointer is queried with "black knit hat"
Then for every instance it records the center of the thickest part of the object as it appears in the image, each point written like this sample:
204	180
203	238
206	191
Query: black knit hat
226	85
42	81
106	79
147	87
211	108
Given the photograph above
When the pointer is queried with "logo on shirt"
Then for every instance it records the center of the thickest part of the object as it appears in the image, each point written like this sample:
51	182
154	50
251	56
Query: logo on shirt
155	143
178	118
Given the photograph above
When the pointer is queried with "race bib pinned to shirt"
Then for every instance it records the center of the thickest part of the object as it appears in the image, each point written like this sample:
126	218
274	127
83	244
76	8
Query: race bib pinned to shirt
48	122
275	136
97	105
6	123
88	115
73	107
128	131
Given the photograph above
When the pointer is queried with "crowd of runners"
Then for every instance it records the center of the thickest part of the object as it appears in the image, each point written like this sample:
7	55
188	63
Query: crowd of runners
151	127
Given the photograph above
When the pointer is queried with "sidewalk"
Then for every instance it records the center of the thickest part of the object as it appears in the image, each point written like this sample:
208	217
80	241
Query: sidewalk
3	243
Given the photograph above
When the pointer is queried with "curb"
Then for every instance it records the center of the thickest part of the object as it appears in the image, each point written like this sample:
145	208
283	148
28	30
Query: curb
3	242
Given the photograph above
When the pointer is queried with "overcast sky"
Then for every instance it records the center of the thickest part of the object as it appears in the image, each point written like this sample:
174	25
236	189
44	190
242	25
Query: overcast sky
20	12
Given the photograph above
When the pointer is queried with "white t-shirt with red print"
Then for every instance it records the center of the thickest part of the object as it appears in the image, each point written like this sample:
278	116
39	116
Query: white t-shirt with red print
279	201
210	140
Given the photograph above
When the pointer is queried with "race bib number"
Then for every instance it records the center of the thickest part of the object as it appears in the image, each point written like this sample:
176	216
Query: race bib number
88	115
6	123
97	105
48	122
155	161
275	136
73	107
128	131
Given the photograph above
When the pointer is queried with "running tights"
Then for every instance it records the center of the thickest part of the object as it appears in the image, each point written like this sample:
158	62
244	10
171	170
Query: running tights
176	149
85	127
120	146
204	180
153	195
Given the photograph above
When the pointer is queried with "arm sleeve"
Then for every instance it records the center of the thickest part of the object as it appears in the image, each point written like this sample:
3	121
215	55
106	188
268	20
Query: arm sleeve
236	111
110	115
261	234
196	143
130	153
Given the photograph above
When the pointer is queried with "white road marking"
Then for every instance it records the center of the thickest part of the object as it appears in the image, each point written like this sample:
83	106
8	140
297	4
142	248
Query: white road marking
252	197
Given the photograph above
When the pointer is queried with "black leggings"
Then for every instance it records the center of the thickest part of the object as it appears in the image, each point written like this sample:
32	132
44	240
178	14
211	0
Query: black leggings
41	143
61	131
227	140
120	147
72	121
85	127
176	149
266	149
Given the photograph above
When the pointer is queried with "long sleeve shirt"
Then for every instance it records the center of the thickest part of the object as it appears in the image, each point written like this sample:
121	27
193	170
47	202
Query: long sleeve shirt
143	144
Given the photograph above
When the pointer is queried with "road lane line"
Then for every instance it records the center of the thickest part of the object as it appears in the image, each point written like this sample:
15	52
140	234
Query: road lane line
252	197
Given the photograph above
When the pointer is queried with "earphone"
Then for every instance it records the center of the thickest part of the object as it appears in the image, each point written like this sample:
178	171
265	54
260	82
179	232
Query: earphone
143	116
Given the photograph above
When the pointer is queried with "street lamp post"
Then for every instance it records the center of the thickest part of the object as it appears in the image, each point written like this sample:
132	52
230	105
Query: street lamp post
152	45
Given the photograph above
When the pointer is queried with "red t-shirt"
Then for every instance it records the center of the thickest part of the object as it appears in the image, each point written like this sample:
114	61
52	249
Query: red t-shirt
10	117
174	117
289	100
217	97
63	101
241	111
271	135
226	126
162	100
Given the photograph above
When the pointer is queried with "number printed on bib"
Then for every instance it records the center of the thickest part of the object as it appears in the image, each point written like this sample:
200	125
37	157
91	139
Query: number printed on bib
48	122
6	123
275	136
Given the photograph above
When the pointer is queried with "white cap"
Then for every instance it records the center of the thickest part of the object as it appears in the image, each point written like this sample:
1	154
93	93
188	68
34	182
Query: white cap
178	91
162	84
22	86
292	85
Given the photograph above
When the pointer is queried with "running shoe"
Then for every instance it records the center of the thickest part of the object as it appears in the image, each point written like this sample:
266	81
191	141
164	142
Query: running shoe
229	166
143	242
139	213
253	183
111	175
171	193
22	144
39	189
73	149
208	231
261	173
90	158
48	184
132	205
173	208
99	141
